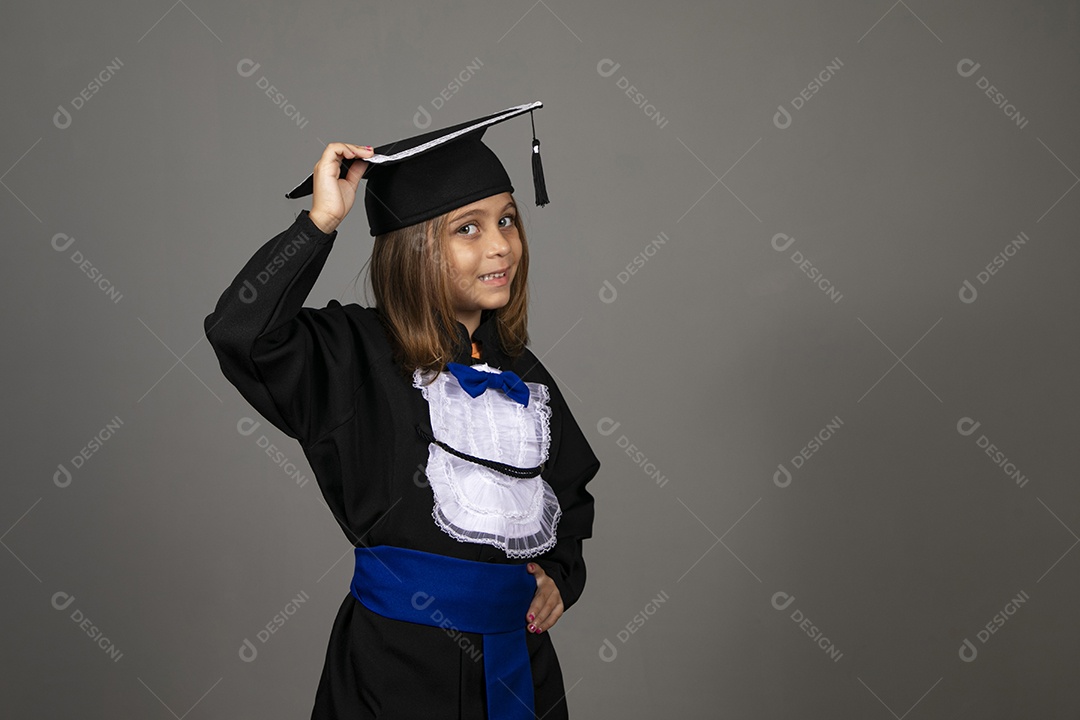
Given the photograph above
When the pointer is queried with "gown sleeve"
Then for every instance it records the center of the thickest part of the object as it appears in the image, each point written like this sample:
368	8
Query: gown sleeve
575	465
291	363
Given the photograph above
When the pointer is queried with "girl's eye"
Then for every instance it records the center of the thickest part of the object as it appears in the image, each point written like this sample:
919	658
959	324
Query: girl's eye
509	218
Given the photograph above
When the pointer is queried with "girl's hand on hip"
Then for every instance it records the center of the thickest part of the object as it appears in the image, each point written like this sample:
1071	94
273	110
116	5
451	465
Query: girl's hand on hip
547	605
333	196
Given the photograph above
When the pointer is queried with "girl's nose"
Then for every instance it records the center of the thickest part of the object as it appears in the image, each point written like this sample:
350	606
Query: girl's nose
498	244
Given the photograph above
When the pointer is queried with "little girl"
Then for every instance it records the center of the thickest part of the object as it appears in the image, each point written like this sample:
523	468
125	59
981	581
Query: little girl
441	444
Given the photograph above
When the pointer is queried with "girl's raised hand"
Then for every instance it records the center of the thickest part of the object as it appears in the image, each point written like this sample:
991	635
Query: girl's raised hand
333	196
547	605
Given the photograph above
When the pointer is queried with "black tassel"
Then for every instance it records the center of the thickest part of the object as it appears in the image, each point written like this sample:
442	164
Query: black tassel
538	170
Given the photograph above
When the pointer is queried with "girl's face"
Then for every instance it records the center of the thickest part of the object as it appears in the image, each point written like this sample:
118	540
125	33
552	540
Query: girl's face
482	249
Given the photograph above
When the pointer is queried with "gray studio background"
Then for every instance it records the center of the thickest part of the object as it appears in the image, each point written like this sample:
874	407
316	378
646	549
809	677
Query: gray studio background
807	278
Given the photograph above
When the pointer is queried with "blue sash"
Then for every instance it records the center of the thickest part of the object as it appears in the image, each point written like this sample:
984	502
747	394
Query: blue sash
466	595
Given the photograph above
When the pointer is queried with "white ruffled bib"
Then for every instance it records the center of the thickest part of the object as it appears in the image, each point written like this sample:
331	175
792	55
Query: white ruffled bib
474	503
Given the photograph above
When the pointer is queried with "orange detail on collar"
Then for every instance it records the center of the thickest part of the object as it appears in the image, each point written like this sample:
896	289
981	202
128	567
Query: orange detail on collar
475	350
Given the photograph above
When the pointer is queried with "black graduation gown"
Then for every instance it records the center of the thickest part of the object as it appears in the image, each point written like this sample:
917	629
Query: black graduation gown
326	377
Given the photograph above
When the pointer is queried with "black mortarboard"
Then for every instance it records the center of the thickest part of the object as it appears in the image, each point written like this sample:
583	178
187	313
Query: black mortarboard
413	180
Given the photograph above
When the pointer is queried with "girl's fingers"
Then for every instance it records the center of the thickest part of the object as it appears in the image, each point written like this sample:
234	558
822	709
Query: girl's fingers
347	150
549	613
534	608
532	616
546	607
541	610
538	610
332	194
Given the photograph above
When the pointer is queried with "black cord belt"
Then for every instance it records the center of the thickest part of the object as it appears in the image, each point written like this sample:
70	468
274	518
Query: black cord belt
511	470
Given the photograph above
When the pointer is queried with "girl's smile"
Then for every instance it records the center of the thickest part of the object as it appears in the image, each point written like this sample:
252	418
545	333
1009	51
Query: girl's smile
496	278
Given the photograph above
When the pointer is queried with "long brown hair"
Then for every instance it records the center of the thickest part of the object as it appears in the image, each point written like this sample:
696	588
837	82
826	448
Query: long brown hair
411	279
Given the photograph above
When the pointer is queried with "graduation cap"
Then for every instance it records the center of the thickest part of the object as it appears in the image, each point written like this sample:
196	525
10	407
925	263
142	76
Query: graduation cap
419	178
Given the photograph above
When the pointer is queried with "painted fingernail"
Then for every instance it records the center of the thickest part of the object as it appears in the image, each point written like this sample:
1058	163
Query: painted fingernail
531	617
532	628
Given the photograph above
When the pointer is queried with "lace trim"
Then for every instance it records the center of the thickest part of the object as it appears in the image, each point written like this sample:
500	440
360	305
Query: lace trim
474	503
515	547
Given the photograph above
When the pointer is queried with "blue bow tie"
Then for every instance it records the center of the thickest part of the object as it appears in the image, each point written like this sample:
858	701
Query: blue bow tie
476	382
